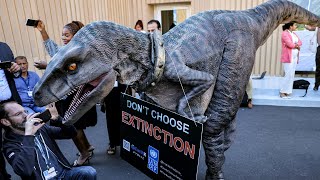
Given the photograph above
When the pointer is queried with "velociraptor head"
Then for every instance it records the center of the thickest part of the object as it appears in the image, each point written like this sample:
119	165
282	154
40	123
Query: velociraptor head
89	65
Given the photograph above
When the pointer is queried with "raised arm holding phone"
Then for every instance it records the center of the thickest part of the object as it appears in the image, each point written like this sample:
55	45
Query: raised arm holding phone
41	27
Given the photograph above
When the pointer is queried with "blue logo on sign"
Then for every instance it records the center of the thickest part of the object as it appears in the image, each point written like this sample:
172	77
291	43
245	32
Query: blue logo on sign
153	159
126	145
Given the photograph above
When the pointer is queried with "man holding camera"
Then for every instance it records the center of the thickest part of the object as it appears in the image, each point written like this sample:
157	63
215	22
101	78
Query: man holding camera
8	91
29	145
25	85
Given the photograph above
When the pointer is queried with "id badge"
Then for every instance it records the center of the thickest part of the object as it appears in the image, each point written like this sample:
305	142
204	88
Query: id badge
50	173
30	93
115	84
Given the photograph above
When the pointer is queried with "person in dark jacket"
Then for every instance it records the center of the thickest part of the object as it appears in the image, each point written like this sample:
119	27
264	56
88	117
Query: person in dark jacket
13	72
30	148
8	92
113	116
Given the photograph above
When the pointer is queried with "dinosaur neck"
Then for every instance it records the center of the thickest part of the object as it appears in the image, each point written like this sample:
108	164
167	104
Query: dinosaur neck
137	47
271	14
133	52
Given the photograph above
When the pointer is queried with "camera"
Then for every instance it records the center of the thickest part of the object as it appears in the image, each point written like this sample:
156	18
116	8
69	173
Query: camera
45	116
5	65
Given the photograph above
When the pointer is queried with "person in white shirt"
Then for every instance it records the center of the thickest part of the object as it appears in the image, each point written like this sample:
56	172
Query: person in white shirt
317	73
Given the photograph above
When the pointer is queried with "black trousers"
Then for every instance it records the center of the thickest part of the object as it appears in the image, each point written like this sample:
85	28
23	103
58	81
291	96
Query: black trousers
317	76
113	114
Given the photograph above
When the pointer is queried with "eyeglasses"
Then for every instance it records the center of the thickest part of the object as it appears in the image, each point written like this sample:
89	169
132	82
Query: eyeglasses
18	113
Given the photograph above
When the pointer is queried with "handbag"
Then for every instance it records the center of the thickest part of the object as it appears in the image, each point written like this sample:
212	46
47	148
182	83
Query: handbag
301	84
313	42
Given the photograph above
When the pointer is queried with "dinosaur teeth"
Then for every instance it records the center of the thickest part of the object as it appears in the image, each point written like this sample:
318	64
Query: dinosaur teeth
64	97
73	90
76	101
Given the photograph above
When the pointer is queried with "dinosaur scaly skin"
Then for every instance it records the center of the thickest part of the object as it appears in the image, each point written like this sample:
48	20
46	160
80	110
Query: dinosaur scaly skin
211	54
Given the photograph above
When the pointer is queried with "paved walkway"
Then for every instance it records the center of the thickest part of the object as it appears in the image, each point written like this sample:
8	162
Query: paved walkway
271	143
266	92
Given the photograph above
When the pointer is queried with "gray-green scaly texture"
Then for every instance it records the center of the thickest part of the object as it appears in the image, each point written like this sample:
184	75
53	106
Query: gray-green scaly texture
211	53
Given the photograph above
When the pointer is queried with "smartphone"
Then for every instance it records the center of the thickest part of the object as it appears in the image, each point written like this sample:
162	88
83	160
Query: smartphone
45	116
32	22
5	65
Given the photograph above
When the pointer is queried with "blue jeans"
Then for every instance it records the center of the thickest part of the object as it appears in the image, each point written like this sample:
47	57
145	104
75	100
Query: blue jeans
34	109
82	172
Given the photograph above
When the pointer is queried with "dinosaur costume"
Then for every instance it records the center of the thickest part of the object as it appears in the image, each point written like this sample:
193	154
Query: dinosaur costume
211	54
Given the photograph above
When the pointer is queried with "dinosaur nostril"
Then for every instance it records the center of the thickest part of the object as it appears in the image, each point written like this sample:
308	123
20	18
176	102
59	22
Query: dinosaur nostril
37	94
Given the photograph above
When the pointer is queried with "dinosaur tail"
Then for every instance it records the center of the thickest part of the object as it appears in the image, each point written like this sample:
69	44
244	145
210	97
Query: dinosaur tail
275	12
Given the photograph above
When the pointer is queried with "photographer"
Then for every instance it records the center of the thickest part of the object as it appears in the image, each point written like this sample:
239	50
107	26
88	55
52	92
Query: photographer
8	92
29	145
7	85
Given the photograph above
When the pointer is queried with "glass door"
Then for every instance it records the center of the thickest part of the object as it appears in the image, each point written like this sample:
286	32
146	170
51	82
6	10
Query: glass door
171	15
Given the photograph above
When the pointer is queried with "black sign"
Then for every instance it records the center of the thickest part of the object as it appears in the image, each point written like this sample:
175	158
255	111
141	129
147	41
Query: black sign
160	143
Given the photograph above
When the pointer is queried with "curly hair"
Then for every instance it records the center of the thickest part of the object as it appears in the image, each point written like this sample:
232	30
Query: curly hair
74	26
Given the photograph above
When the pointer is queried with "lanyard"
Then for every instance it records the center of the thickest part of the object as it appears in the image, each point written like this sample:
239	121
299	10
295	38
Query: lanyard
38	143
26	82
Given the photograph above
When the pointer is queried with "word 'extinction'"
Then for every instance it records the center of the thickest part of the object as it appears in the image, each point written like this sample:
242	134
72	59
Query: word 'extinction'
184	127
157	133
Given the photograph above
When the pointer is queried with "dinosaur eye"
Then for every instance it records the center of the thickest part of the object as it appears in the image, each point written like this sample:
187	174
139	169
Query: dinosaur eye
72	67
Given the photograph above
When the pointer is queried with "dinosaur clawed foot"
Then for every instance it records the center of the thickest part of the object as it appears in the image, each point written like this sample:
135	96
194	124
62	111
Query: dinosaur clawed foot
200	118
214	176
197	118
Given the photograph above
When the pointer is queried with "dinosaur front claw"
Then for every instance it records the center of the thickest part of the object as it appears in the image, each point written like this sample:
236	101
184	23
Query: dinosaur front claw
200	118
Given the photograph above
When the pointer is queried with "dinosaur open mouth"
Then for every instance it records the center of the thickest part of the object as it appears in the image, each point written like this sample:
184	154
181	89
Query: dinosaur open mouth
80	94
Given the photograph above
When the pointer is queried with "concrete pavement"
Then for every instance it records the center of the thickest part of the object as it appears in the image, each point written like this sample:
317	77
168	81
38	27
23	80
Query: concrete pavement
271	143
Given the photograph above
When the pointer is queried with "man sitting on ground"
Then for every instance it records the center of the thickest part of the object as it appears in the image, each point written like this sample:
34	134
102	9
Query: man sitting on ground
30	147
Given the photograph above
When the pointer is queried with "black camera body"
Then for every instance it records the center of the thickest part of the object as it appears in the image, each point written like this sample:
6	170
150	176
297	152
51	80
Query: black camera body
45	116
5	65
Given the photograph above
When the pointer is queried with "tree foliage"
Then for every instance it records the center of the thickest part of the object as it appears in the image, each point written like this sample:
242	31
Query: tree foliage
314	5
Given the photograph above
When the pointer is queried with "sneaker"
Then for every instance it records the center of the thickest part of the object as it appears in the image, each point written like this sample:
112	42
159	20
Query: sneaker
111	150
